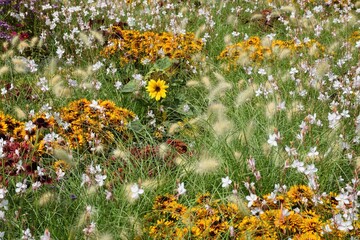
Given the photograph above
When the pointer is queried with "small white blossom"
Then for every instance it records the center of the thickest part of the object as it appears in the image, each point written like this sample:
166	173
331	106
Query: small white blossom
226	182
136	191
46	235
21	187
27	235
60	51
36	185
313	153
3	192
108	195
181	189
252	198
100	179
118	85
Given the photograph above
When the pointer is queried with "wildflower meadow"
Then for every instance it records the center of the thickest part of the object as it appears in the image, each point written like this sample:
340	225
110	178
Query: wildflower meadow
167	119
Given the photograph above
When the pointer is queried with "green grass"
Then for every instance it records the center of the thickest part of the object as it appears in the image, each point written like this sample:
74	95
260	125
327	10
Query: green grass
217	131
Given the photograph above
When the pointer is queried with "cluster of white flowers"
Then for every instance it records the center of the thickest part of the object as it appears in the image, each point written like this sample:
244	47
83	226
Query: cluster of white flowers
94	174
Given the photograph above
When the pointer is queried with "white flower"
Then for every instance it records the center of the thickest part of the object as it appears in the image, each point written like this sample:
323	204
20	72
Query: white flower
299	166
60	51
186	108
291	151
345	226
3	192
310	169
85	179
181	189
40	171
108	194
3	91
342	199
118	85
97	66
333	119
46	235
131	21
313	153
226	182
36	185
273	138
136	191
261	71
21	187
89	229
100	179
27	235
59	174
2	215
252	198
29	126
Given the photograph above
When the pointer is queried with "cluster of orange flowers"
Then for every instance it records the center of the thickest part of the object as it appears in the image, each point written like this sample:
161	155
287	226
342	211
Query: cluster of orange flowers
355	36
132	46
10	127
292	214
77	124
252	49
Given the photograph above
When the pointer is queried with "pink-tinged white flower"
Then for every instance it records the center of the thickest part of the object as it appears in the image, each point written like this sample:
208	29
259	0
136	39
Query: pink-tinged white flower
136	191
291	151
310	169
226	182
343	225
181	189
40	171
27	235
89	229
342	200
29	126
299	166
3	192
85	180
313	153
251	199
273	139
281	106
100	179
59	174
333	119
261	71
108	195
36	185
60	51
118	85
46	235
21	187
97	66
19	167
43	84
95	105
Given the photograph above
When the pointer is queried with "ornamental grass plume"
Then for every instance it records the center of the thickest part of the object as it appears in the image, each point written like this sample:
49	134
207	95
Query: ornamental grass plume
206	164
157	89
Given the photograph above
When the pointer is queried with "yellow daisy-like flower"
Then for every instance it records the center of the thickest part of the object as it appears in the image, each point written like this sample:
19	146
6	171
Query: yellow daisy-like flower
157	89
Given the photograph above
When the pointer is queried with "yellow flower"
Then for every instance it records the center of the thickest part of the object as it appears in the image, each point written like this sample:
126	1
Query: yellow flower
61	164
157	89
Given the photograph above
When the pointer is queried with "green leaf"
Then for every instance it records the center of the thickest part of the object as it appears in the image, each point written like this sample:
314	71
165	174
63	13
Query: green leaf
163	63
130	87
